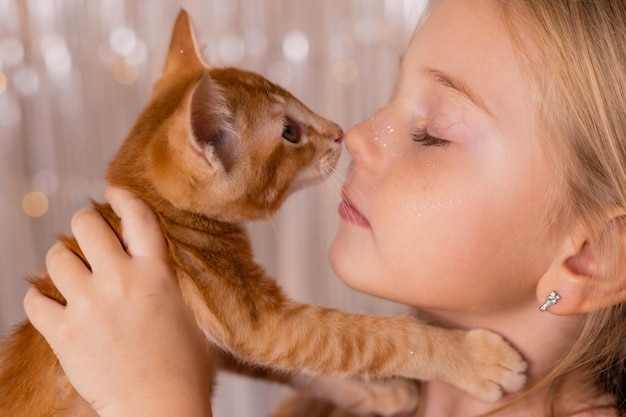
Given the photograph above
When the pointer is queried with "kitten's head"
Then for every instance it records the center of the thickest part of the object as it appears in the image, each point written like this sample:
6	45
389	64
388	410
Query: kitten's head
222	142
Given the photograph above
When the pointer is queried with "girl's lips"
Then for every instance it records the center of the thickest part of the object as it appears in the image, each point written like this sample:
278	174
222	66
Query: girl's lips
350	213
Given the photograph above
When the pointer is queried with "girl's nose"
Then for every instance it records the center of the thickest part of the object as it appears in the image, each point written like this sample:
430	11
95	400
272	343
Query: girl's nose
364	143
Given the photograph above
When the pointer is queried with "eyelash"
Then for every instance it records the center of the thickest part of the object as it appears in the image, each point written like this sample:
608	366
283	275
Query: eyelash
424	138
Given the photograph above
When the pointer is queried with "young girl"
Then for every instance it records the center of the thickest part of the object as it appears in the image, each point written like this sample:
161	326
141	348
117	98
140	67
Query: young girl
490	192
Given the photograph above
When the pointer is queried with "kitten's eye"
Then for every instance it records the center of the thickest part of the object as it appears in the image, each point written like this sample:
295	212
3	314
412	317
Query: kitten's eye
425	139
290	132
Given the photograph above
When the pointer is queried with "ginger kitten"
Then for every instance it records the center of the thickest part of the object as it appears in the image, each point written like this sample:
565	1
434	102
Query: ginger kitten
214	148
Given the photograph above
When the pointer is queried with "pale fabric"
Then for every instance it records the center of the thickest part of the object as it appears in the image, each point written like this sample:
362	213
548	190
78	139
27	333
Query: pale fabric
63	114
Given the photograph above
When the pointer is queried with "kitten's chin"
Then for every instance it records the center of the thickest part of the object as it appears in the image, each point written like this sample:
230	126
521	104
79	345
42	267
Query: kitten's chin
304	183
314	176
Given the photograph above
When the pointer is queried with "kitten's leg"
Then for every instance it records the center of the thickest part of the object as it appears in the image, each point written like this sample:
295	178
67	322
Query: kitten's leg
298	337
301	403
391	397
32	382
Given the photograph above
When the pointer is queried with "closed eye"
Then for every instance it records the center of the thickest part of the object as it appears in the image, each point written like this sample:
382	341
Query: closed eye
426	139
290	132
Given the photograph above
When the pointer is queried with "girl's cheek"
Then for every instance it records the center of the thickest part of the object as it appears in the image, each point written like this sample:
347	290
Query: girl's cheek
430	194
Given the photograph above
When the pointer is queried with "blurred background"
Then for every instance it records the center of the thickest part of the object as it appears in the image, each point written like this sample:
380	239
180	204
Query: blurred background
74	74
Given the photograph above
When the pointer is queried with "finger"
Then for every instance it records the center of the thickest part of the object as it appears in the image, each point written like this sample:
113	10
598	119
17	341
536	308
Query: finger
66	269
43	312
140	227
96	239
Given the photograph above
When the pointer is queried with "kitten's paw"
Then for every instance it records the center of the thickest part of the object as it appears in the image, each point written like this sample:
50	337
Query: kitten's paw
385	398
494	366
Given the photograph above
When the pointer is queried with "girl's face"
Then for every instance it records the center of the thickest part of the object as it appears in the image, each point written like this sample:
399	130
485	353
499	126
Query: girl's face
447	198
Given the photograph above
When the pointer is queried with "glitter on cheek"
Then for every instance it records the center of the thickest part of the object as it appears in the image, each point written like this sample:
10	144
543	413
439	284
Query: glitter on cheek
430	193
383	133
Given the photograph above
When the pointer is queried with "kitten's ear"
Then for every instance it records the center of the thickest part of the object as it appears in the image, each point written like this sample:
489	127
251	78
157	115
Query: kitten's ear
212	124
183	54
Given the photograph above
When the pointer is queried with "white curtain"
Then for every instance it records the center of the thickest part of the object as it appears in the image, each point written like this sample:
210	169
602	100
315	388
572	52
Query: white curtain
74	74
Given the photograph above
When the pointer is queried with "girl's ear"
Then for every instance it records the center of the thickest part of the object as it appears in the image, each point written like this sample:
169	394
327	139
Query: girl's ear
588	274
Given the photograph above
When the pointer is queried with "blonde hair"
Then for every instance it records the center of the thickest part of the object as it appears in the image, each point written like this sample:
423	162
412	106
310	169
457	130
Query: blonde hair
577	58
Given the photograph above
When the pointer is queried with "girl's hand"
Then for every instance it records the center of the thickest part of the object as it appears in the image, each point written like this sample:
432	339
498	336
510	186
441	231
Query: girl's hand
126	340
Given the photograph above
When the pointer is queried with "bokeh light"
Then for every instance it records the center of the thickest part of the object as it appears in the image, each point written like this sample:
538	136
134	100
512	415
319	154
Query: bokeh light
296	47
345	71
35	204
56	55
125	72
139	55
123	41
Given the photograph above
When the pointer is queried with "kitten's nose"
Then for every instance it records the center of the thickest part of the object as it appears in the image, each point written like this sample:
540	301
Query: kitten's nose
338	134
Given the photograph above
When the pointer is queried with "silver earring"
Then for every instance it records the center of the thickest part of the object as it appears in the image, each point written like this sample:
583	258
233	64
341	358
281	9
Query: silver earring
551	300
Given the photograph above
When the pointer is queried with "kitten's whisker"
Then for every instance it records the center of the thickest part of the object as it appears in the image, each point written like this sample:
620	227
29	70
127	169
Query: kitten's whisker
271	218
336	182
273	224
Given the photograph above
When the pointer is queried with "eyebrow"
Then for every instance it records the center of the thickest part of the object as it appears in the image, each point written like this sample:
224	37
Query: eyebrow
457	86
